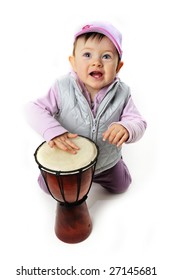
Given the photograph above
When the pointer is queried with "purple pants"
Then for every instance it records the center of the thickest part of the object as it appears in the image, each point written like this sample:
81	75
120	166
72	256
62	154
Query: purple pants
116	179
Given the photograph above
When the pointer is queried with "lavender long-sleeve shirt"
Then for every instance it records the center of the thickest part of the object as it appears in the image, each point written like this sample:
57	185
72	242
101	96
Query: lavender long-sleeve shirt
40	114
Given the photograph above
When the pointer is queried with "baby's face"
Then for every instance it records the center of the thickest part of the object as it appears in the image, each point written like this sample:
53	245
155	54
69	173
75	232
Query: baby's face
95	62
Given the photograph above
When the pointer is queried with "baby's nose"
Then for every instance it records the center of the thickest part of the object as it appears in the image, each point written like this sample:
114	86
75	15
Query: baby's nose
97	62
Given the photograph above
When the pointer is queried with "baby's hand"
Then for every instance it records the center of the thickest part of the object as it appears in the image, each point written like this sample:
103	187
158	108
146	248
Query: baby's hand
64	143
116	134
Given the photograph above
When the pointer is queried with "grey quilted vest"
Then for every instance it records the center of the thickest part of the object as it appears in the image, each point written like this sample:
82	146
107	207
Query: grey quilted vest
76	116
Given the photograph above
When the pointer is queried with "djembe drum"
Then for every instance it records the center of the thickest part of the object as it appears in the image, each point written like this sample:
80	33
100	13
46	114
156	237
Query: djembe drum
68	178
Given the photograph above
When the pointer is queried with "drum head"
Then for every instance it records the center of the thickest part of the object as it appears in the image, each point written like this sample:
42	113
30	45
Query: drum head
55	159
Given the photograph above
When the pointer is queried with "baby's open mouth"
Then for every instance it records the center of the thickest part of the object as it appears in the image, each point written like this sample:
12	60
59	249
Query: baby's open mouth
96	74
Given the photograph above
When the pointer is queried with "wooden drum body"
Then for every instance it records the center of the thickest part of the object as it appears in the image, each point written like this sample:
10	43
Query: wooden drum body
68	178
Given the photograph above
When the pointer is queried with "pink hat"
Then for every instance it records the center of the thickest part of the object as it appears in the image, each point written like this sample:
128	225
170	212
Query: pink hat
104	28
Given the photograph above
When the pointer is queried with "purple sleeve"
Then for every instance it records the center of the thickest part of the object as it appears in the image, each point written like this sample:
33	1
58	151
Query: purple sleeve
40	115
132	120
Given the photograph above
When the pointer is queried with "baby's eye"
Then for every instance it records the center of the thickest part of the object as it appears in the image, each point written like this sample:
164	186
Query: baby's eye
87	54
106	56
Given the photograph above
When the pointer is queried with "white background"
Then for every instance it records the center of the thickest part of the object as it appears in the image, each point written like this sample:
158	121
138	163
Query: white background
133	229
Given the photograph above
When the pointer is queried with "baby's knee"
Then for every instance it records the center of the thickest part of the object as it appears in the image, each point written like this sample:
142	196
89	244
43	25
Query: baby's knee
116	188
42	184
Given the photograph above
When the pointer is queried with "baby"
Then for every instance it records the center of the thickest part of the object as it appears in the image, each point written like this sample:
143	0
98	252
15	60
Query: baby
93	102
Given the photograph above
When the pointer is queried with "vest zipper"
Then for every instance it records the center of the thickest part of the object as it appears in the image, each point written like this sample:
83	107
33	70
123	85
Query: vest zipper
96	120
94	126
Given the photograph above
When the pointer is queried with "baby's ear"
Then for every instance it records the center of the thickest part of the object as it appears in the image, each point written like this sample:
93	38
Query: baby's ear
72	62
120	64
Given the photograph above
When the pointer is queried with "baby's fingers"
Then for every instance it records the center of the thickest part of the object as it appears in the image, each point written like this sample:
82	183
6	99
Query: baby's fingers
120	141
51	143
65	147
71	144
71	135
106	135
